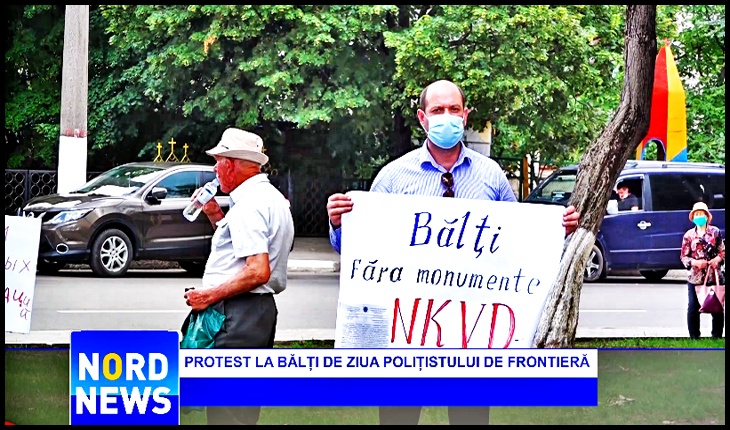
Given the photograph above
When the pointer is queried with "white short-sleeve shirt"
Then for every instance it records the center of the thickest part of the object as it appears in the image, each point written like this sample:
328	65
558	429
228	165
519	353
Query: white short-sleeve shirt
259	221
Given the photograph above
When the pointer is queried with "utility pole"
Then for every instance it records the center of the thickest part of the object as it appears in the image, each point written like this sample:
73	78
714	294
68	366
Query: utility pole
74	99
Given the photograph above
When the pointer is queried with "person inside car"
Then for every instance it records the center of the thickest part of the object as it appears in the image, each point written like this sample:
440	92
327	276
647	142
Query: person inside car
627	201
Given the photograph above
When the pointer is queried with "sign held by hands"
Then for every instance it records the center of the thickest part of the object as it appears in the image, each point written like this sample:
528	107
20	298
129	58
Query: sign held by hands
22	235
430	272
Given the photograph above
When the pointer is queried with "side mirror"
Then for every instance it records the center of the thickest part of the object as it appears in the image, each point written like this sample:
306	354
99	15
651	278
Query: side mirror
157	194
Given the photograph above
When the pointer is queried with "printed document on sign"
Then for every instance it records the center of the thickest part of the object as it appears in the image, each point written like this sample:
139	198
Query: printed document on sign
362	326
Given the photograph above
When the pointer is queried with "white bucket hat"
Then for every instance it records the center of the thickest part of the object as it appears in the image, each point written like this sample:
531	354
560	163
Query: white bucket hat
237	143
700	206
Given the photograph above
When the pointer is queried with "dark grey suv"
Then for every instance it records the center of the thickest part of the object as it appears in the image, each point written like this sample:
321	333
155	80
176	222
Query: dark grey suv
131	212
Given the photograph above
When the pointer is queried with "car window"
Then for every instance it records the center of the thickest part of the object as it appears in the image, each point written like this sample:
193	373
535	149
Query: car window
635	186
119	181
679	191
716	191
557	188
209	176
181	184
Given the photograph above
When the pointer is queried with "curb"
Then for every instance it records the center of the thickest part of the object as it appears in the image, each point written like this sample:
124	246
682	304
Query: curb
313	266
63	337
295	266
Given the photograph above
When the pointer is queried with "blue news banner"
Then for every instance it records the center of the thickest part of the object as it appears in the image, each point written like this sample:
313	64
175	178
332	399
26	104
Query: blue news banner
142	377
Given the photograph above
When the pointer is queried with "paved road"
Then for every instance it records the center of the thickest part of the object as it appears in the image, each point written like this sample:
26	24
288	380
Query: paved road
620	307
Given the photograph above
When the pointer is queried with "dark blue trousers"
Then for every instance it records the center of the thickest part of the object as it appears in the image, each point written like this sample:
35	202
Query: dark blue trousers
693	316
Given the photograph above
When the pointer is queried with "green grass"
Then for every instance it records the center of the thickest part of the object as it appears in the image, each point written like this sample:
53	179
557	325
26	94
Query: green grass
37	387
653	343
635	387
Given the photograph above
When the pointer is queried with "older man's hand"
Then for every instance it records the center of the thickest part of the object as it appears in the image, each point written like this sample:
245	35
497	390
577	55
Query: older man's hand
198	300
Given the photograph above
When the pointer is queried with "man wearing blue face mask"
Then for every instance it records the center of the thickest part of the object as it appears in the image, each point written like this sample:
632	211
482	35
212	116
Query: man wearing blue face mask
443	166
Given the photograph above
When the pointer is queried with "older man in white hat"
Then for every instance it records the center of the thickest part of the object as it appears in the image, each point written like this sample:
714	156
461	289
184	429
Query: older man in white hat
249	252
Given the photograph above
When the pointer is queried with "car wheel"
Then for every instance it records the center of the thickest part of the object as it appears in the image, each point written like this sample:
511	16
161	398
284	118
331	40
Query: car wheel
595	268
195	268
111	253
654	275
47	267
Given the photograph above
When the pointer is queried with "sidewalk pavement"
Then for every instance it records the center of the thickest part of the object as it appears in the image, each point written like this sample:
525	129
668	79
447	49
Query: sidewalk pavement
313	254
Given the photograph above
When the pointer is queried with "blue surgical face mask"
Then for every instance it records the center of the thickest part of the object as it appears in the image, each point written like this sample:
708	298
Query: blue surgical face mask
700	221
445	130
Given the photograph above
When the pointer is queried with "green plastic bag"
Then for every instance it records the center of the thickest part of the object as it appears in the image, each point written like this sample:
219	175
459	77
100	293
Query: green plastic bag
202	328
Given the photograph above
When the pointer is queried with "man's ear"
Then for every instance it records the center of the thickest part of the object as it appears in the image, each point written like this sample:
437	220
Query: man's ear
421	118
466	114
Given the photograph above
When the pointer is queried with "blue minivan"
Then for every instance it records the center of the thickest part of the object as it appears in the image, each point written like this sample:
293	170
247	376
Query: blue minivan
646	239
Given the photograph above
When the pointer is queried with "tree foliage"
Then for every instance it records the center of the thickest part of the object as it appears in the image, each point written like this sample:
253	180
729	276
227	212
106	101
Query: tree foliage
337	85
700	56
32	83
522	68
311	77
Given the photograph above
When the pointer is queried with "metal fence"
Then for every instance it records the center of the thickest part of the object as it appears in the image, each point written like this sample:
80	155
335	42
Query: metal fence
307	194
23	185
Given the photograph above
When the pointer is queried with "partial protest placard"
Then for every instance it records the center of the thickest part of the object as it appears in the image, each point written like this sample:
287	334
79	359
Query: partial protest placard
434	272
22	236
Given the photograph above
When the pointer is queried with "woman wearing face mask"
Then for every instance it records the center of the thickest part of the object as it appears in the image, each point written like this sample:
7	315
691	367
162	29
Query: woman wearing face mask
703	250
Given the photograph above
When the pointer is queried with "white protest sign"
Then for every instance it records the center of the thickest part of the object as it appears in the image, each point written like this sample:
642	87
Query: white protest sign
432	272
22	236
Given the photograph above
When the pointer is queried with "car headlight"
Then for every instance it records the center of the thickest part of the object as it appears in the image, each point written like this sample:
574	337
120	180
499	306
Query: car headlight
67	216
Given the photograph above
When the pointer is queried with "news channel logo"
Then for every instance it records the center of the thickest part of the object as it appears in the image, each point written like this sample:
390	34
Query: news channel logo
125	377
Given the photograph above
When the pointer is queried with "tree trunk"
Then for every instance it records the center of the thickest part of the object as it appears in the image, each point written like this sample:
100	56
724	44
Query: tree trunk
598	170
402	138
72	145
